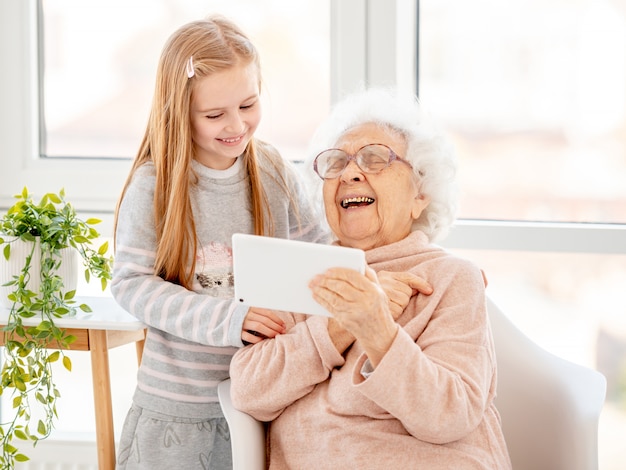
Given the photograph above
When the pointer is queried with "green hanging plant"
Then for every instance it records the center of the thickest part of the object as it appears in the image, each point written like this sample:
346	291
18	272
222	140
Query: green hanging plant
49	228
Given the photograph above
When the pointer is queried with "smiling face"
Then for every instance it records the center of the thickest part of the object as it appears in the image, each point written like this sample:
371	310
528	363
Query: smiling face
225	112
371	210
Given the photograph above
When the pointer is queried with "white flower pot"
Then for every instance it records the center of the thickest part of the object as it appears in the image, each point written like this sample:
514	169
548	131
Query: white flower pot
14	265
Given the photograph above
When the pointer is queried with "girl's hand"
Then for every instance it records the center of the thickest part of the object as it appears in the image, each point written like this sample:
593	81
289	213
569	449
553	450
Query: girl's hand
259	324
400	287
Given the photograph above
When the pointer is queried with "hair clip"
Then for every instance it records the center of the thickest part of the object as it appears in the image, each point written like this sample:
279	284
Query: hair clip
191	71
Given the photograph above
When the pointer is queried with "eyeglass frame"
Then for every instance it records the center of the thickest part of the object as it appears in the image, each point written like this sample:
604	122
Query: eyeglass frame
393	156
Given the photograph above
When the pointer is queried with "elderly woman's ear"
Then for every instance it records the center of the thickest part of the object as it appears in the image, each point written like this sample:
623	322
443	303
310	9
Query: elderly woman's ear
420	203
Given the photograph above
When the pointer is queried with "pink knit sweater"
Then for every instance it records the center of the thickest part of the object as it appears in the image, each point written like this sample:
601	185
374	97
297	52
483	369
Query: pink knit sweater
429	403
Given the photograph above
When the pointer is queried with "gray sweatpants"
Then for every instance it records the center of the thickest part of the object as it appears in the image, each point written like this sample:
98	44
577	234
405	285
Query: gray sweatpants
154	441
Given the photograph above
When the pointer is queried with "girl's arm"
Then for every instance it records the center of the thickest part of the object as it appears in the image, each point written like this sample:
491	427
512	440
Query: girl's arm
157	303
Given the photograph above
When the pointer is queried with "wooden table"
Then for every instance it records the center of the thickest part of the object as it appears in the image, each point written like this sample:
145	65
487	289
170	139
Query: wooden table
108	326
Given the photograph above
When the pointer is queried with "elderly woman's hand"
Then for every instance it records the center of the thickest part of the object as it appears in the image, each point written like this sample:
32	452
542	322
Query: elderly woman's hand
400	287
358	304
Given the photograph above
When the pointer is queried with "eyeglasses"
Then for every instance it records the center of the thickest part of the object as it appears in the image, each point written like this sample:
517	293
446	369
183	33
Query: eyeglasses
371	158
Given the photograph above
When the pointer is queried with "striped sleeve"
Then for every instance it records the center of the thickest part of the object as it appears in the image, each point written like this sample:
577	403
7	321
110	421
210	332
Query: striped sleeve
157	303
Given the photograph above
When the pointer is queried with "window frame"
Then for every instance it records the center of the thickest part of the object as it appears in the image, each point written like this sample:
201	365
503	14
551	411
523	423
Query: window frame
93	184
360	54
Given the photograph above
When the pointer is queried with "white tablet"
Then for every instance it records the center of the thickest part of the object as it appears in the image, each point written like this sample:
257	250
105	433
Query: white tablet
274	273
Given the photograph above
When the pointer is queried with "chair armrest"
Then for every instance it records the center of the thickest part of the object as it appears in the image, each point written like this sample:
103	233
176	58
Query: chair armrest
247	435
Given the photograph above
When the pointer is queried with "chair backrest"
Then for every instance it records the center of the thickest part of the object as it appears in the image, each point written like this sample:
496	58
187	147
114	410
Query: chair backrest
550	407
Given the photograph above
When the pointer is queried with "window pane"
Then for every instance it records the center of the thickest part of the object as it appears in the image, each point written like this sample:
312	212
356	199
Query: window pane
100	59
534	92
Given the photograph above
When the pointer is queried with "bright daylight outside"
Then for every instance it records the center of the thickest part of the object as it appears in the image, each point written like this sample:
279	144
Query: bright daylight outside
108	113
533	93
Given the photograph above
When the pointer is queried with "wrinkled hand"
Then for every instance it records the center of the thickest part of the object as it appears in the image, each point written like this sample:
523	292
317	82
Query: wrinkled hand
360	306
400	287
261	323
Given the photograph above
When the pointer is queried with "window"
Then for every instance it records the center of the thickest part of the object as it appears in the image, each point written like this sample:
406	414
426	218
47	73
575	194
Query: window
83	71
108	68
538	115
532	93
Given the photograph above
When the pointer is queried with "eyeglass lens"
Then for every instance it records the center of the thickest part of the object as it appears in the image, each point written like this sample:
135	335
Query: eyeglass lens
371	158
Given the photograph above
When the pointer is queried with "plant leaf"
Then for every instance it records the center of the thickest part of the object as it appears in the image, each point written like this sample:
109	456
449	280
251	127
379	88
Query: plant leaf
103	248
69	339
19	384
67	363
17	401
9	448
54	198
54	356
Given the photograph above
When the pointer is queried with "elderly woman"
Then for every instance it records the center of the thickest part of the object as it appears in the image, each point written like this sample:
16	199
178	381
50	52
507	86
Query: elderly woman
372	386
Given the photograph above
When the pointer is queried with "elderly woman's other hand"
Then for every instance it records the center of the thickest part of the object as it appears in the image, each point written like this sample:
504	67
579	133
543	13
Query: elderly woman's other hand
358	304
400	287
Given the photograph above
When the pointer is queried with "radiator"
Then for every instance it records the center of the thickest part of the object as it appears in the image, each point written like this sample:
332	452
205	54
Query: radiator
60	454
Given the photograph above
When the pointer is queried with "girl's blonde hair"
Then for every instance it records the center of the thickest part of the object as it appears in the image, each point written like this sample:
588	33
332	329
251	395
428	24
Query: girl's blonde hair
196	50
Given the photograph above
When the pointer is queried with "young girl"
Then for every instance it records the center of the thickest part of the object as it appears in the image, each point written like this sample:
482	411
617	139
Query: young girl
199	177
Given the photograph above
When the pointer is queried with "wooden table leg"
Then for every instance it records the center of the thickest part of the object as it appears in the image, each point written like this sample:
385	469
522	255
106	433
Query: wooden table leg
139	347
105	439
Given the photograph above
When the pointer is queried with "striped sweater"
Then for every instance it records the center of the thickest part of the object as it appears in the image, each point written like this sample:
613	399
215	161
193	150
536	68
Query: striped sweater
192	334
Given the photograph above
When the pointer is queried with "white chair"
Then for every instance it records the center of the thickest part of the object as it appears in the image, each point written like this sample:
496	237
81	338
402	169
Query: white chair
550	407
247	435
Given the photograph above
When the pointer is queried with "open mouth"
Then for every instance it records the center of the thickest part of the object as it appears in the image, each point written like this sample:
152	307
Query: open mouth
356	202
233	140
